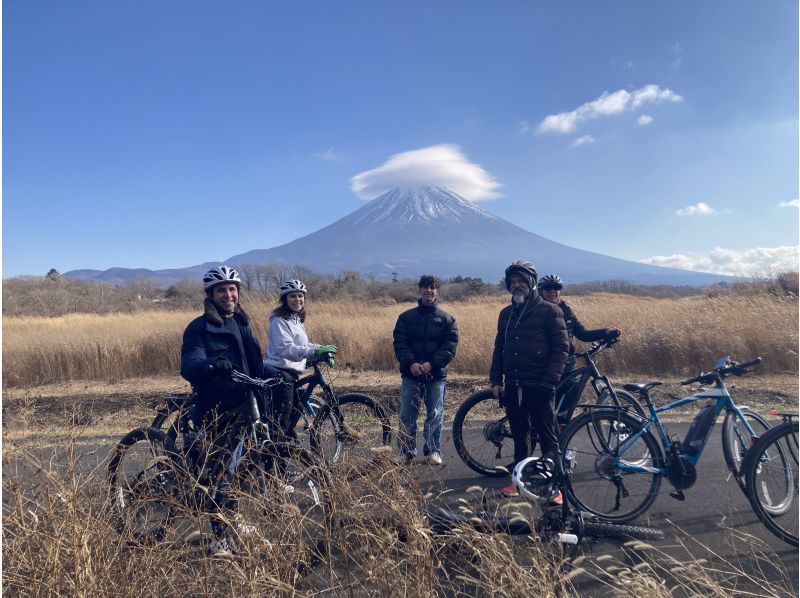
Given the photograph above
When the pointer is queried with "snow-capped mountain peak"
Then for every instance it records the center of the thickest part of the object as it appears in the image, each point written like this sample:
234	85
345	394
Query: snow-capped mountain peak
417	204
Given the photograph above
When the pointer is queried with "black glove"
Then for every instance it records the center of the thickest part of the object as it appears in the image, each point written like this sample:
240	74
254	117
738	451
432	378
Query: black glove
613	334
223	367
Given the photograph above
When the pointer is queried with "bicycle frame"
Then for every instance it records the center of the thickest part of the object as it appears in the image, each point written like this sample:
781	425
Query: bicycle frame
569	400
723	401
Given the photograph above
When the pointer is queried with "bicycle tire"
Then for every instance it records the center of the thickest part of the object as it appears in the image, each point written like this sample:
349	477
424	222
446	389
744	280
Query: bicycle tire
479	436
594	482
626	399
767	480
365	428
607	529
736	440
143	480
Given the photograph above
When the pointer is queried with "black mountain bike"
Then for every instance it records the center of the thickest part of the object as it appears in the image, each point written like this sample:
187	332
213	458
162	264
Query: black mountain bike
771	477
325	423
481	431
160	491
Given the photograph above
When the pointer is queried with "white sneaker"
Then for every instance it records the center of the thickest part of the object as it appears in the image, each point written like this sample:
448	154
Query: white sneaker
435	458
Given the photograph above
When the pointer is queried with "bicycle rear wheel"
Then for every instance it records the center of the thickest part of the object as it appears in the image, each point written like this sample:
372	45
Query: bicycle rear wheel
736	440
598	452
625	399
366	426
143	484
482	435
771	481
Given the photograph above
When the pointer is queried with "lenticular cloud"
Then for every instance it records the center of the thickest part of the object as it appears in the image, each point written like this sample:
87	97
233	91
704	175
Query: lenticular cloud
436	166
608	104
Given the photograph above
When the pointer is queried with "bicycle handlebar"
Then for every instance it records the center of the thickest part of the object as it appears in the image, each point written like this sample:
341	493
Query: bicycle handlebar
598	346
737	369
257	382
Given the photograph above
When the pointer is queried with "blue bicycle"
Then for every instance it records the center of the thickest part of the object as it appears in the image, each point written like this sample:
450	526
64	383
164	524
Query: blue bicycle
615	460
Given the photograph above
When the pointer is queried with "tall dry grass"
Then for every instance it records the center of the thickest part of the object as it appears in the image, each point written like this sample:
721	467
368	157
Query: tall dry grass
660	336
60	538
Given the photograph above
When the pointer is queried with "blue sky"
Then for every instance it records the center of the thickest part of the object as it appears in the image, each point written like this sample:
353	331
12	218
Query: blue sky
165	134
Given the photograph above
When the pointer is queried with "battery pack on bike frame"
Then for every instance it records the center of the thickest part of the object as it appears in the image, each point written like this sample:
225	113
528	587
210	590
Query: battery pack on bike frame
698	431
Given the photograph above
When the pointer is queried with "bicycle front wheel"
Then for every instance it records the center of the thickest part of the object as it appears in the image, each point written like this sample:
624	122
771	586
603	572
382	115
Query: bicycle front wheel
736	440
771	481
367	424
603	462
143	484
482	435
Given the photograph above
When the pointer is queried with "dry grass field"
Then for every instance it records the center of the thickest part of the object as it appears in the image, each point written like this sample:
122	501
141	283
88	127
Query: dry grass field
660	336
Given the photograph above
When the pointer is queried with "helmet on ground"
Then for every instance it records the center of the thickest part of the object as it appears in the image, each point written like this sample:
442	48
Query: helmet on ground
522	268
533	478
218	275
293	286
550	281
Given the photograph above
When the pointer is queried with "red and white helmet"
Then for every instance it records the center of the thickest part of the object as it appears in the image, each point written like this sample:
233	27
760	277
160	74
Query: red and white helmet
220	274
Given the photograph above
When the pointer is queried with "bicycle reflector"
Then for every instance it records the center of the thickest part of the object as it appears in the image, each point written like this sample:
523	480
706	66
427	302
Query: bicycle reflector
533	478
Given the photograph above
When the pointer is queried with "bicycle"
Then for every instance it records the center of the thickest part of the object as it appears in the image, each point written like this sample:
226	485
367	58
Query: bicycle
279	488
615	463
537	479
330	423
771	474
481	428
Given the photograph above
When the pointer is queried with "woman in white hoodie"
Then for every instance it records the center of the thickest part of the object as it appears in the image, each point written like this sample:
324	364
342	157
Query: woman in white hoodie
287	350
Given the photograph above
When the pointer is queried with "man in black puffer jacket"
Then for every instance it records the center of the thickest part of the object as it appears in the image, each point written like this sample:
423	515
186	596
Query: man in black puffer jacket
530	351
425	340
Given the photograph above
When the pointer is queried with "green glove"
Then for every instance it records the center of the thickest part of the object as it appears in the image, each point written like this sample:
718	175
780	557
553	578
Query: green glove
325	349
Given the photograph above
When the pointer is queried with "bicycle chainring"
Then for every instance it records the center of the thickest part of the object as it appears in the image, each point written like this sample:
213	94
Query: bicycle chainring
682	473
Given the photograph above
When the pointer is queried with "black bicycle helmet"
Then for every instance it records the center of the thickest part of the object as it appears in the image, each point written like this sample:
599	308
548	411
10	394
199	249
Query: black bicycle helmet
522	268
550	281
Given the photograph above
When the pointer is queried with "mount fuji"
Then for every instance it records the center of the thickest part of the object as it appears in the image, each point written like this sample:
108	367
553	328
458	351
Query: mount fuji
413	231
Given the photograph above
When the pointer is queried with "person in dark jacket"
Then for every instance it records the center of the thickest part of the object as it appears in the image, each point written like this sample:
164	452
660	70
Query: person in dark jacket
214	345
425	340
218	342
530	352
550	287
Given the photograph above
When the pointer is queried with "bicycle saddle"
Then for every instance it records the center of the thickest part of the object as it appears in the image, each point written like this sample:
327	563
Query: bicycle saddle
642	387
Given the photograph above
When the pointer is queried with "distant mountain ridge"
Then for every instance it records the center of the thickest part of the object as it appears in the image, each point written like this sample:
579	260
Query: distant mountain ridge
428	230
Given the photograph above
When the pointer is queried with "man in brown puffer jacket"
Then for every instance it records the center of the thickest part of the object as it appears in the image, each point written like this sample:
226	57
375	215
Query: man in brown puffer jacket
530	351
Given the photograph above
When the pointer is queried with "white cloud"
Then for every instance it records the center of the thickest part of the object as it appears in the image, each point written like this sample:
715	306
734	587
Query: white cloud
608	104
734	263
582	140
699	209
330	155
644	120
438	165
795	203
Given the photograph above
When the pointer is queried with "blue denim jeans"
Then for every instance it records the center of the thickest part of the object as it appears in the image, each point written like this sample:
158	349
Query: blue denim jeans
410	394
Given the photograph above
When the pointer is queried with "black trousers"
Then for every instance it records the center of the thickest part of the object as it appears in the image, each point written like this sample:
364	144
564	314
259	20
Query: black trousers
531	413
282	405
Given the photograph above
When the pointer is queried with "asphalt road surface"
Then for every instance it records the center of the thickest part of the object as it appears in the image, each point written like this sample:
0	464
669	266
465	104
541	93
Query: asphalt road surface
699	527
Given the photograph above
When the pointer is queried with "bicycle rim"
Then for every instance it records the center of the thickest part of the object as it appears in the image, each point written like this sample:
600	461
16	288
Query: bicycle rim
482	435
772	482
597	482
366	427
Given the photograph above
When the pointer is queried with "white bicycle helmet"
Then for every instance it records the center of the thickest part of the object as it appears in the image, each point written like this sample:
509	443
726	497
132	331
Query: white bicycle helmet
533	478
293	286
220	274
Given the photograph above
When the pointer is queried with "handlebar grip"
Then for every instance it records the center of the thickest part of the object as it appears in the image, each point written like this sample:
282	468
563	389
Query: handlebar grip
747	364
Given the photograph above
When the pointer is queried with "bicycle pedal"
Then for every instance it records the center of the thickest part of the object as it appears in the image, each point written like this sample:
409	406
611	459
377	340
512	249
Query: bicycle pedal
678	495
